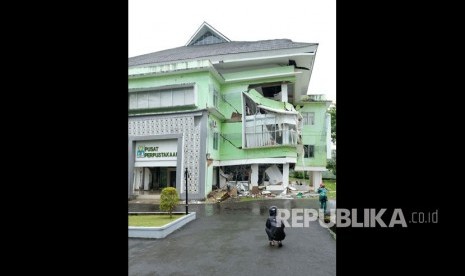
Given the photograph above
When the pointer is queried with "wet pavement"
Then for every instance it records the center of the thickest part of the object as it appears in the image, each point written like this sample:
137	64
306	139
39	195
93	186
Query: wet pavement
229	239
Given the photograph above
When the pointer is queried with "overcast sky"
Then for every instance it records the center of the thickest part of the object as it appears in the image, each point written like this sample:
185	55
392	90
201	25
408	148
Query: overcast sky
160	25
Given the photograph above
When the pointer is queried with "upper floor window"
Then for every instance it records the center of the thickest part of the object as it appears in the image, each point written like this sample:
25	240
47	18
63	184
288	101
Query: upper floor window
308	118
215	98
215	140
309	151
162	98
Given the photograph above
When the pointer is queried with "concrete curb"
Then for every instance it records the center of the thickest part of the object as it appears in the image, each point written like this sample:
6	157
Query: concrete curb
159	232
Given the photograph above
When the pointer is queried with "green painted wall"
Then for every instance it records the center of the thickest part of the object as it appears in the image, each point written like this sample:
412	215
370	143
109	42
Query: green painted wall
214	154
315	134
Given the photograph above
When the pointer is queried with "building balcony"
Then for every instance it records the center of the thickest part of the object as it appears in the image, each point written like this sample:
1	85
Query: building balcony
271	138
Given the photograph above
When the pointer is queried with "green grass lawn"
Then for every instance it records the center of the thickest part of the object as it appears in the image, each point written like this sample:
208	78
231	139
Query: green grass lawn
329	183
151	220
249	198
331	186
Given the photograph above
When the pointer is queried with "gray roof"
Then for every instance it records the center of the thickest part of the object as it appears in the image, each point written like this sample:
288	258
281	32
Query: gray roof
201	51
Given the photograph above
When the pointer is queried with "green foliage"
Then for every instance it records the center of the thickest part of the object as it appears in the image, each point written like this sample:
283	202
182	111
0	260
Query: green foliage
331	165
151	220
299	174
168	200
330	185
332	111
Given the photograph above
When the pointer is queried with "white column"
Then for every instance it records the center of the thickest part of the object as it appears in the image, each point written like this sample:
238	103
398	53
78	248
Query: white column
285	134
286	175
146	178
137	178
254	176
328	136
284	92
317	179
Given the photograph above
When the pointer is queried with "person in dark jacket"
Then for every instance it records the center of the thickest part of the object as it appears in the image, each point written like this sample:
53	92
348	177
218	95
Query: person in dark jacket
322	191
274	228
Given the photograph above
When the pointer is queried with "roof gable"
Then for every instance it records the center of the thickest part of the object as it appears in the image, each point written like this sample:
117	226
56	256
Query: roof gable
206	34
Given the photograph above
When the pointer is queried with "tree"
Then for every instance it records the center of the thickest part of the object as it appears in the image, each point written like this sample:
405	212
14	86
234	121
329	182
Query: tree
168	200
331	165
332	111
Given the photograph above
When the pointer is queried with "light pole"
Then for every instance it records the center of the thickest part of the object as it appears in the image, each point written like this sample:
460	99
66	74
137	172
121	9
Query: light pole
187	202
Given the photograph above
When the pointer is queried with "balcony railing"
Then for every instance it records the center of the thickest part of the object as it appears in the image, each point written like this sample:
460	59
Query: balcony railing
271	138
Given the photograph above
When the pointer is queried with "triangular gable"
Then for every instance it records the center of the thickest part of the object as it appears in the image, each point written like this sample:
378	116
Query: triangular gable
206	34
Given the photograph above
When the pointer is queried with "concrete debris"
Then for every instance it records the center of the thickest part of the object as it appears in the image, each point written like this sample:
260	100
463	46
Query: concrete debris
274	174
233	191
224	197
255	190
242	186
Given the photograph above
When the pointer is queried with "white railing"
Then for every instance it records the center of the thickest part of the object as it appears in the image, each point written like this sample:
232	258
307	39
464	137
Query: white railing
271	138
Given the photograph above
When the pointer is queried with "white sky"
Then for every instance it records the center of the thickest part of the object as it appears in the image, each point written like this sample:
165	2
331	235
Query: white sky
156	25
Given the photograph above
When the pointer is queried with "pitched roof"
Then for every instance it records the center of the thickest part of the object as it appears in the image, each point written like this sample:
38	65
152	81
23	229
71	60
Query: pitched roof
218	49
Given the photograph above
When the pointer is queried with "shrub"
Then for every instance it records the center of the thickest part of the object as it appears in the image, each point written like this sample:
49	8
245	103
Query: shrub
168	200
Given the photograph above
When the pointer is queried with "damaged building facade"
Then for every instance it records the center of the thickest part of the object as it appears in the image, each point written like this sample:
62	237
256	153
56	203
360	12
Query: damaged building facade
228	112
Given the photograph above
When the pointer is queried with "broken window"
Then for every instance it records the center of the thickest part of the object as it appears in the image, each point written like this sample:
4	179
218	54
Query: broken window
269	126
268	90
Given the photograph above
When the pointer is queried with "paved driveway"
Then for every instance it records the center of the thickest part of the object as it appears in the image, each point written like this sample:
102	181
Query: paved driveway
230	239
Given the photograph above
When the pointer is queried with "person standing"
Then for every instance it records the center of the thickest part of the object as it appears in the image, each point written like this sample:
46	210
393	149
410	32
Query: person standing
322	191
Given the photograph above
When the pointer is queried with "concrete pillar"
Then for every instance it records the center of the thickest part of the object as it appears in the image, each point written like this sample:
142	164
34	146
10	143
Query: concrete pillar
286	174
285	134
138	178
284	92
316	179
328	136
254	176
146	178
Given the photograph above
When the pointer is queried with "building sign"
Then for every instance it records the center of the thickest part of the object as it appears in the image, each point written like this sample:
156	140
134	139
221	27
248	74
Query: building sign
156	150
148	152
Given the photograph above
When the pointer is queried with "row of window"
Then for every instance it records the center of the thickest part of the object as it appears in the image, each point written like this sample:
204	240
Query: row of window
162	98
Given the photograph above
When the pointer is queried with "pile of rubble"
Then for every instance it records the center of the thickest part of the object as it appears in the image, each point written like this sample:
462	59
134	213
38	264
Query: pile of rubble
238	190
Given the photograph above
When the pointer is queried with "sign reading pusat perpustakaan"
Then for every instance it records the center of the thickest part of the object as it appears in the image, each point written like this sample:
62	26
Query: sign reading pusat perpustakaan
156	150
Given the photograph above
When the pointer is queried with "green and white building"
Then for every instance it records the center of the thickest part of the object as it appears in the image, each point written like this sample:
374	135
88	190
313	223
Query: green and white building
227	111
